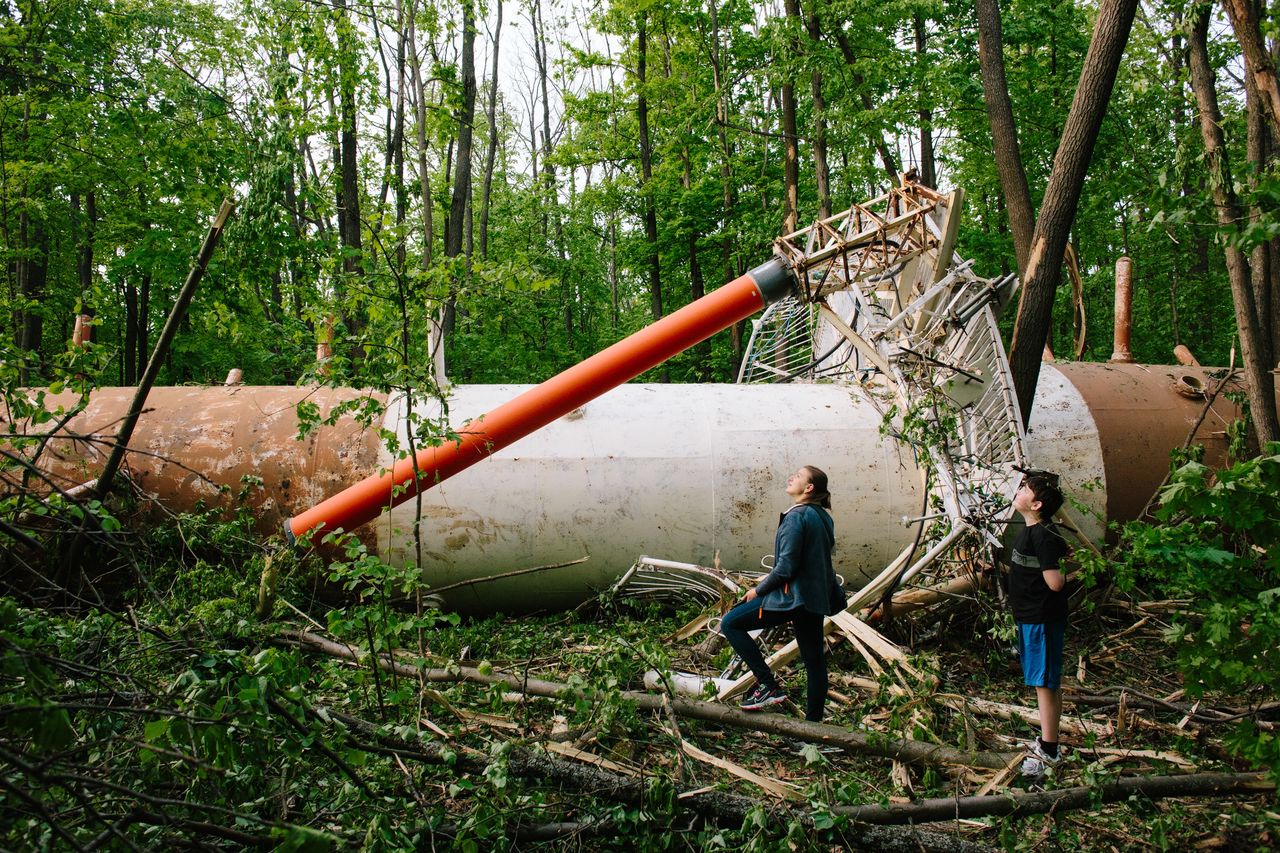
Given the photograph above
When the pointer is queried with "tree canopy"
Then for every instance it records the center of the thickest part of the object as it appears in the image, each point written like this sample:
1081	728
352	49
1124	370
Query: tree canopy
638	155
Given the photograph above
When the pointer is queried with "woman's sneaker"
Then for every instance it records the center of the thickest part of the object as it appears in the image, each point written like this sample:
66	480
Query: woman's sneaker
1039	763
762	697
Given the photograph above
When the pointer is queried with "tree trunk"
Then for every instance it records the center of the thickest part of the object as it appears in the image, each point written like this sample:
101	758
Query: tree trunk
393	128
1259	67
550	190
397	144
548	171
1273	309
143	335
1004	132
349	210
1253	350
646	174
129	352
697	285
424	175
821	170
720	808
455	232
32	265
33	276
351	237
1259	148
88	223
727	199
864	743
1062	195
1021	803
790	143
491	152
612	240
928	168
465	118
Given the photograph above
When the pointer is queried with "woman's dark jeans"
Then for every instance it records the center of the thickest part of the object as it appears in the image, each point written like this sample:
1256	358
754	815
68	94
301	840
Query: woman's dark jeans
748	616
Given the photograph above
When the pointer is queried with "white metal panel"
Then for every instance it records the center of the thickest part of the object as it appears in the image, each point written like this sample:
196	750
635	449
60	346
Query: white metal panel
1064	438
674	471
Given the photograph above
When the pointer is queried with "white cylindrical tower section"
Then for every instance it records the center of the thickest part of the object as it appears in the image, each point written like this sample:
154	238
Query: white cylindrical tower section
674	471
1063	437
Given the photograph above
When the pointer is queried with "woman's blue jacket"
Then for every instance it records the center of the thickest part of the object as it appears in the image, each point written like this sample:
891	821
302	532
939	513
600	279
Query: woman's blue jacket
802	575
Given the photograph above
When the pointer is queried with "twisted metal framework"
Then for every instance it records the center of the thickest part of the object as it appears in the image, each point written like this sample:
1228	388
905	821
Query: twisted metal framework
676	583
882	303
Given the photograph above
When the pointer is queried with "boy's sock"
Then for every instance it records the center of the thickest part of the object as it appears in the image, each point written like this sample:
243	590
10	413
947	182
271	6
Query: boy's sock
1050	749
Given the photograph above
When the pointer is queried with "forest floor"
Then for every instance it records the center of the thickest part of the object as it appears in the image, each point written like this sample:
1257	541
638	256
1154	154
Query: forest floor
189	721
1125	715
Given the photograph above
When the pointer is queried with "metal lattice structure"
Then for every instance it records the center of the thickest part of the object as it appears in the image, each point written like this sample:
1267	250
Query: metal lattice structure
674	582
884	304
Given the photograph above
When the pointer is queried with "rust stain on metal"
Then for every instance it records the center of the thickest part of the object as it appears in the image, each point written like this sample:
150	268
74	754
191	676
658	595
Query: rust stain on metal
213	444
1141	415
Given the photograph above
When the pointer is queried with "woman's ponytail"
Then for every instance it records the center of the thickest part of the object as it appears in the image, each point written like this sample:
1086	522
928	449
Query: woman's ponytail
819	495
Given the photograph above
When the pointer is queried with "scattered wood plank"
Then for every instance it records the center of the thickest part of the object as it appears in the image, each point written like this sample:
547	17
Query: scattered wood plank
1002	777
1112	756
569	751
773	787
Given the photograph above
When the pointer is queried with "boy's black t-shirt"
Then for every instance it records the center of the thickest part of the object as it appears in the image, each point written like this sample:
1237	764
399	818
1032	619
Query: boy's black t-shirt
1037	547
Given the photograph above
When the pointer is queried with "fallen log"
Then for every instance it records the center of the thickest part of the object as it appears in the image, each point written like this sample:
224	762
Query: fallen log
866	743
720	808
1021	803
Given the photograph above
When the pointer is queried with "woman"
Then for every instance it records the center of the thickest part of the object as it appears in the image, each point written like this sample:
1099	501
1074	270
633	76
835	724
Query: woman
801	589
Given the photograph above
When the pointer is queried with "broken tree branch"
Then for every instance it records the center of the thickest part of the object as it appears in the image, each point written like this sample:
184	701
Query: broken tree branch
489	578
718	807
162	347
1020	803
866	743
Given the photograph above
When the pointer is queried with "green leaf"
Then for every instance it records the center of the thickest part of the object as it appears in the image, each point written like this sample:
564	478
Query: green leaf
155	730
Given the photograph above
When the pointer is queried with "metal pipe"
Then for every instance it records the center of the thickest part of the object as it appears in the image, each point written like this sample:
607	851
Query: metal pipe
82	335
1184	356
554	398
1124	311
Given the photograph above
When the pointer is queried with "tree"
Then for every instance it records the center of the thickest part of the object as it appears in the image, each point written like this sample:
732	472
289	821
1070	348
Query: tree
491	143
1255	348
1057	211
1004	131
646	167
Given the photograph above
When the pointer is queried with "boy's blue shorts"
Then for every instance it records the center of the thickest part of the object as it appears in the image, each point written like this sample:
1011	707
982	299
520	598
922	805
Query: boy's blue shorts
1040	648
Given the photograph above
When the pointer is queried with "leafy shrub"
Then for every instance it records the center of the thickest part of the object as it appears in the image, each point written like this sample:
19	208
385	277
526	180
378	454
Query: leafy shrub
1214	544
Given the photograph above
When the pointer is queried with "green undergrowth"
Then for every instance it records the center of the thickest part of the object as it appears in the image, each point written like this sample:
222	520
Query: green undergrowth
179	711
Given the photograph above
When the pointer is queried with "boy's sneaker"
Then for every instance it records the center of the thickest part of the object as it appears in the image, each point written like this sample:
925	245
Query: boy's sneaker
762	697
1039	763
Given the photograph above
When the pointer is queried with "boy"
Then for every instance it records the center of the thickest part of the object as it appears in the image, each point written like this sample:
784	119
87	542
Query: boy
1039	602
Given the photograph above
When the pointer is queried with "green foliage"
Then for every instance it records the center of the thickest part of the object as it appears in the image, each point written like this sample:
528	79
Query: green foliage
122	130
1215	543
122	127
